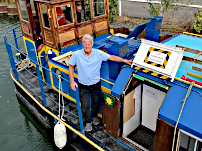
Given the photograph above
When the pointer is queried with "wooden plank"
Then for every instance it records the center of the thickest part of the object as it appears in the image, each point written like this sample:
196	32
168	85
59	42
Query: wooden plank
66	36
111	119
101	25
85	30
48	36
164	136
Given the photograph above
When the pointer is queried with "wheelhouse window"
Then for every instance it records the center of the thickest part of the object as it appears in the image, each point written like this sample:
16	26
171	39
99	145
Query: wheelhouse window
45	15
99	8
23	10
64	15
82	11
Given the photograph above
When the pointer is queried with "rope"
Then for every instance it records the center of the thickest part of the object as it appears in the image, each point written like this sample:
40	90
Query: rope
60	89
26	63
183	101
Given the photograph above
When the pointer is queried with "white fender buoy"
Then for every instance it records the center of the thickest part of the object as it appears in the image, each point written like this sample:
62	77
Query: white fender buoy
60	135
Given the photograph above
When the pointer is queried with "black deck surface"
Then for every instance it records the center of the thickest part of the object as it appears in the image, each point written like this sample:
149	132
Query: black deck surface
97	135
143	136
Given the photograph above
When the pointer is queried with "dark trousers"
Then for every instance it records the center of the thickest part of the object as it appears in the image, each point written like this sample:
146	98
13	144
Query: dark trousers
90	109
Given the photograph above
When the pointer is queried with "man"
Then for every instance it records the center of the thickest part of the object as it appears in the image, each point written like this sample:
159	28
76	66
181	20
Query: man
88	62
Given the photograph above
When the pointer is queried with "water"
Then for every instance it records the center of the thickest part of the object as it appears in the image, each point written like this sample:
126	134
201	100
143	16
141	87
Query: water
19	131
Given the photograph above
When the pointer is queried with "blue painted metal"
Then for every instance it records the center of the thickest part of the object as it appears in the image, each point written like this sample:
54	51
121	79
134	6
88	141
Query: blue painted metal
153	29
135	33
121	81
190	120
41	84
12	62
31	50
15	39
79	110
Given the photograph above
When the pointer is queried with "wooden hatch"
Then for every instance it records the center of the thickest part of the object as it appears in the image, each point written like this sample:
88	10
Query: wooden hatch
61	23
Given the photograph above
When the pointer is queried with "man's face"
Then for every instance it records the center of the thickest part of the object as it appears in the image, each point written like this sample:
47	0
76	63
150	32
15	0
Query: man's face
87	45
78	6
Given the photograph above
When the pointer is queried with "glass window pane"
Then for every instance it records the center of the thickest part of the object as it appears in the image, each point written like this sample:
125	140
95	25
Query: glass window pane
87	10
98	6
33	8
26	29
45	16
23	10
64	15
82	11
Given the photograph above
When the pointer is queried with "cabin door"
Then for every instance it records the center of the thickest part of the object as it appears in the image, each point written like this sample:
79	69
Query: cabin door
152	99
25	17
46	24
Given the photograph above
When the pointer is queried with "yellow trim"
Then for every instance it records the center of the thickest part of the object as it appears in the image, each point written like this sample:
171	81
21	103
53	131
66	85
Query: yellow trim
187	33
107	81
25	38
112	31
99	115
106	89
47	111
181	80
51	77
37	59
51	65
194	75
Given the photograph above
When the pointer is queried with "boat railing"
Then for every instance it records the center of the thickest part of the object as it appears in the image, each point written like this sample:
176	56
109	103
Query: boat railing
39	89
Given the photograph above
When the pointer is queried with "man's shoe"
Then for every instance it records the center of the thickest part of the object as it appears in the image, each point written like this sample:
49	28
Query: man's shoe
88	127
96	121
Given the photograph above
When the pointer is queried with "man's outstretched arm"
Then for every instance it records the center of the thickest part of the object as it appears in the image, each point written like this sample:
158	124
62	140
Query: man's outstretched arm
119	59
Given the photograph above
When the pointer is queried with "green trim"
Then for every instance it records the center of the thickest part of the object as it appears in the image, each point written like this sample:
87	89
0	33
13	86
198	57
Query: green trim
153	82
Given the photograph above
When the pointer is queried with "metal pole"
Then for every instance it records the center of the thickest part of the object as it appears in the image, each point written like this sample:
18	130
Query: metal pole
120	13
79	110
15	39
12	62
41	84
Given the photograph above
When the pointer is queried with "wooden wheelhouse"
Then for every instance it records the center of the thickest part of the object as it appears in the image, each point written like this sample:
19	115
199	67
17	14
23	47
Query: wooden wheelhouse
42	18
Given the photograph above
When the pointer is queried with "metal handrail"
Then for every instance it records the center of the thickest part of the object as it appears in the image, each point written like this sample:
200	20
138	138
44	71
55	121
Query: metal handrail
9	46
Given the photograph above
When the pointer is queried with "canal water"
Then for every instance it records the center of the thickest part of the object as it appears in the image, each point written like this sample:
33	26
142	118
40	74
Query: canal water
19	130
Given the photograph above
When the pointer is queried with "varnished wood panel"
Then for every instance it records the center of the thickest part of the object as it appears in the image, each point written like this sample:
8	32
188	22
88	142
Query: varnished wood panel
111	119
85	30
101	25
164	136
67	36
48	37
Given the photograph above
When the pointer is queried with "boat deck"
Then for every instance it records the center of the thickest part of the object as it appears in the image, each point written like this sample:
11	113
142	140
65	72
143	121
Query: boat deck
31	84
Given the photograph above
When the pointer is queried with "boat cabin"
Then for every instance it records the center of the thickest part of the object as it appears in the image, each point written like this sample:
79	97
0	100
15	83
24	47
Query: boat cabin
62	23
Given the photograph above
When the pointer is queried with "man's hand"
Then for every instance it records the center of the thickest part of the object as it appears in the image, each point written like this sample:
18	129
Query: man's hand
129	62
73	85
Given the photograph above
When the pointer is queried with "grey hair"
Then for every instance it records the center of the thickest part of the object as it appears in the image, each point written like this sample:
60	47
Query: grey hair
87	36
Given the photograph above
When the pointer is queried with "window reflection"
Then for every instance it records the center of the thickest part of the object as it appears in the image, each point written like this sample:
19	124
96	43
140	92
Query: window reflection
45	16
98	6
26	29
23	10
80	12
64	15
